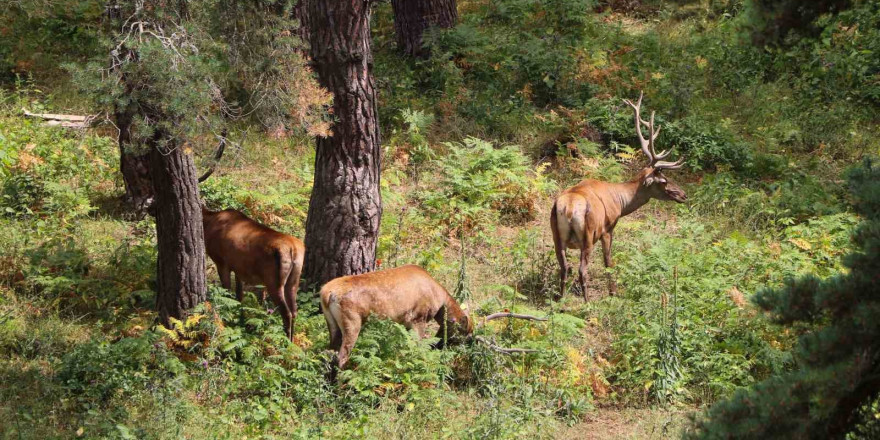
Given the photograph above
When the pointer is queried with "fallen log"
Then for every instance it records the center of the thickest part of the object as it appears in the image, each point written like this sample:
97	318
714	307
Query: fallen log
58	120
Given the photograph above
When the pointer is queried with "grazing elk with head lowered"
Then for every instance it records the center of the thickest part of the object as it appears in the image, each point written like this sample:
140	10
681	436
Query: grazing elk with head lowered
407	295
589	211
257	254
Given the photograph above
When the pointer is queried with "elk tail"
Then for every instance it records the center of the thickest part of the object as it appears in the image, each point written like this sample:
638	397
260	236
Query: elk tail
330	308
572	221
284	265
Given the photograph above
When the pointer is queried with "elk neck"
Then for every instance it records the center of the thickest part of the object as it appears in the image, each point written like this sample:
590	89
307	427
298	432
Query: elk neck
630	195
453	310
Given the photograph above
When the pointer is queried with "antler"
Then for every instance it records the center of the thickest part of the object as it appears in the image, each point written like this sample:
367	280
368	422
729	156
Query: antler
655	159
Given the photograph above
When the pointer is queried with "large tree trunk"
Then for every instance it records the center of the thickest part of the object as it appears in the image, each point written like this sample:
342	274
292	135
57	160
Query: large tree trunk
181	265
413	17
345	207
135	168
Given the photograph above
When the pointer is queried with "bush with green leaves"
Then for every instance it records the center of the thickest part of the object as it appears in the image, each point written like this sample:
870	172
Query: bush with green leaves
721	344
50	170
69	274
412	140
36	34
705	144
504	59
835	372
480	183
762	205
98	371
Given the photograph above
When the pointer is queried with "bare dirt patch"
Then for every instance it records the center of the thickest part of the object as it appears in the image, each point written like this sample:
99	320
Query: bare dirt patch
615	423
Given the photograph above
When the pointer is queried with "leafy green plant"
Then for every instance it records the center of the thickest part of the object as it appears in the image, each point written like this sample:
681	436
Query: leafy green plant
95	372
481	182
669	376
834	378
705	144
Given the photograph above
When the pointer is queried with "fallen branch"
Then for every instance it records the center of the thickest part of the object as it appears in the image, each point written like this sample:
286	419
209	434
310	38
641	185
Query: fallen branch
504	350
513	315
58	120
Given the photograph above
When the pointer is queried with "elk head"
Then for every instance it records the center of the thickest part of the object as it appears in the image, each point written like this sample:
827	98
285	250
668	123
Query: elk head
652	179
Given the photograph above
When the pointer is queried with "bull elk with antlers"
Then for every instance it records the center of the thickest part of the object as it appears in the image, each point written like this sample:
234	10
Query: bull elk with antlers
589	211
406	295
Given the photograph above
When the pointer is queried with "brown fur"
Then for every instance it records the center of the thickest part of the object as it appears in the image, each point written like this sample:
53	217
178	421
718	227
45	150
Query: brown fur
406	295
588	212
258	255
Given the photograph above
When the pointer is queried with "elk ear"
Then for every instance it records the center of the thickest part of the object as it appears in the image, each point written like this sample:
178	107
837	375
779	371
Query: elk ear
648	181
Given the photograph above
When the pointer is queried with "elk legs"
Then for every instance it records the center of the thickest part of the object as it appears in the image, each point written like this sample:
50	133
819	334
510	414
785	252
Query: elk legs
225	274
351	327
290	289
606	252
583	275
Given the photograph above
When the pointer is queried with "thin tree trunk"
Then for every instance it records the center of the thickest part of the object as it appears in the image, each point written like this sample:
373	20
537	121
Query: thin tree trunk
181	263
345	207
302	31
413	17
135	168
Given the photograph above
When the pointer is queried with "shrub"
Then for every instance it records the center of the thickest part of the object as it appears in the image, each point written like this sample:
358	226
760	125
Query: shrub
705	144
36	34
47	170
97	371
480	182
835	375
722	344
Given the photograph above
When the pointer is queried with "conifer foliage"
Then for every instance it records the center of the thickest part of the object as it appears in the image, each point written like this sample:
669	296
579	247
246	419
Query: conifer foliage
838	370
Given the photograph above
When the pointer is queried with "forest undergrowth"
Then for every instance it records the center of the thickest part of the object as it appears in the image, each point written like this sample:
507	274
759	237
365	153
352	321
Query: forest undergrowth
477	141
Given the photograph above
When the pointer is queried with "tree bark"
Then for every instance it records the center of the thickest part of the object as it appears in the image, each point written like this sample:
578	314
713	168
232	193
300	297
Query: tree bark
345	207
181	242
413	17
135	168
302	31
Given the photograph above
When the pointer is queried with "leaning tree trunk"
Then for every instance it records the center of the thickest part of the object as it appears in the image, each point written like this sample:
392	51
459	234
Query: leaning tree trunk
179	233
413	17
135	168
345	207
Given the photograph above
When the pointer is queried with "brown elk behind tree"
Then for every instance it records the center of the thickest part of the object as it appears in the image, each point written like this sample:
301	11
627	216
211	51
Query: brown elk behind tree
588	212
258	255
